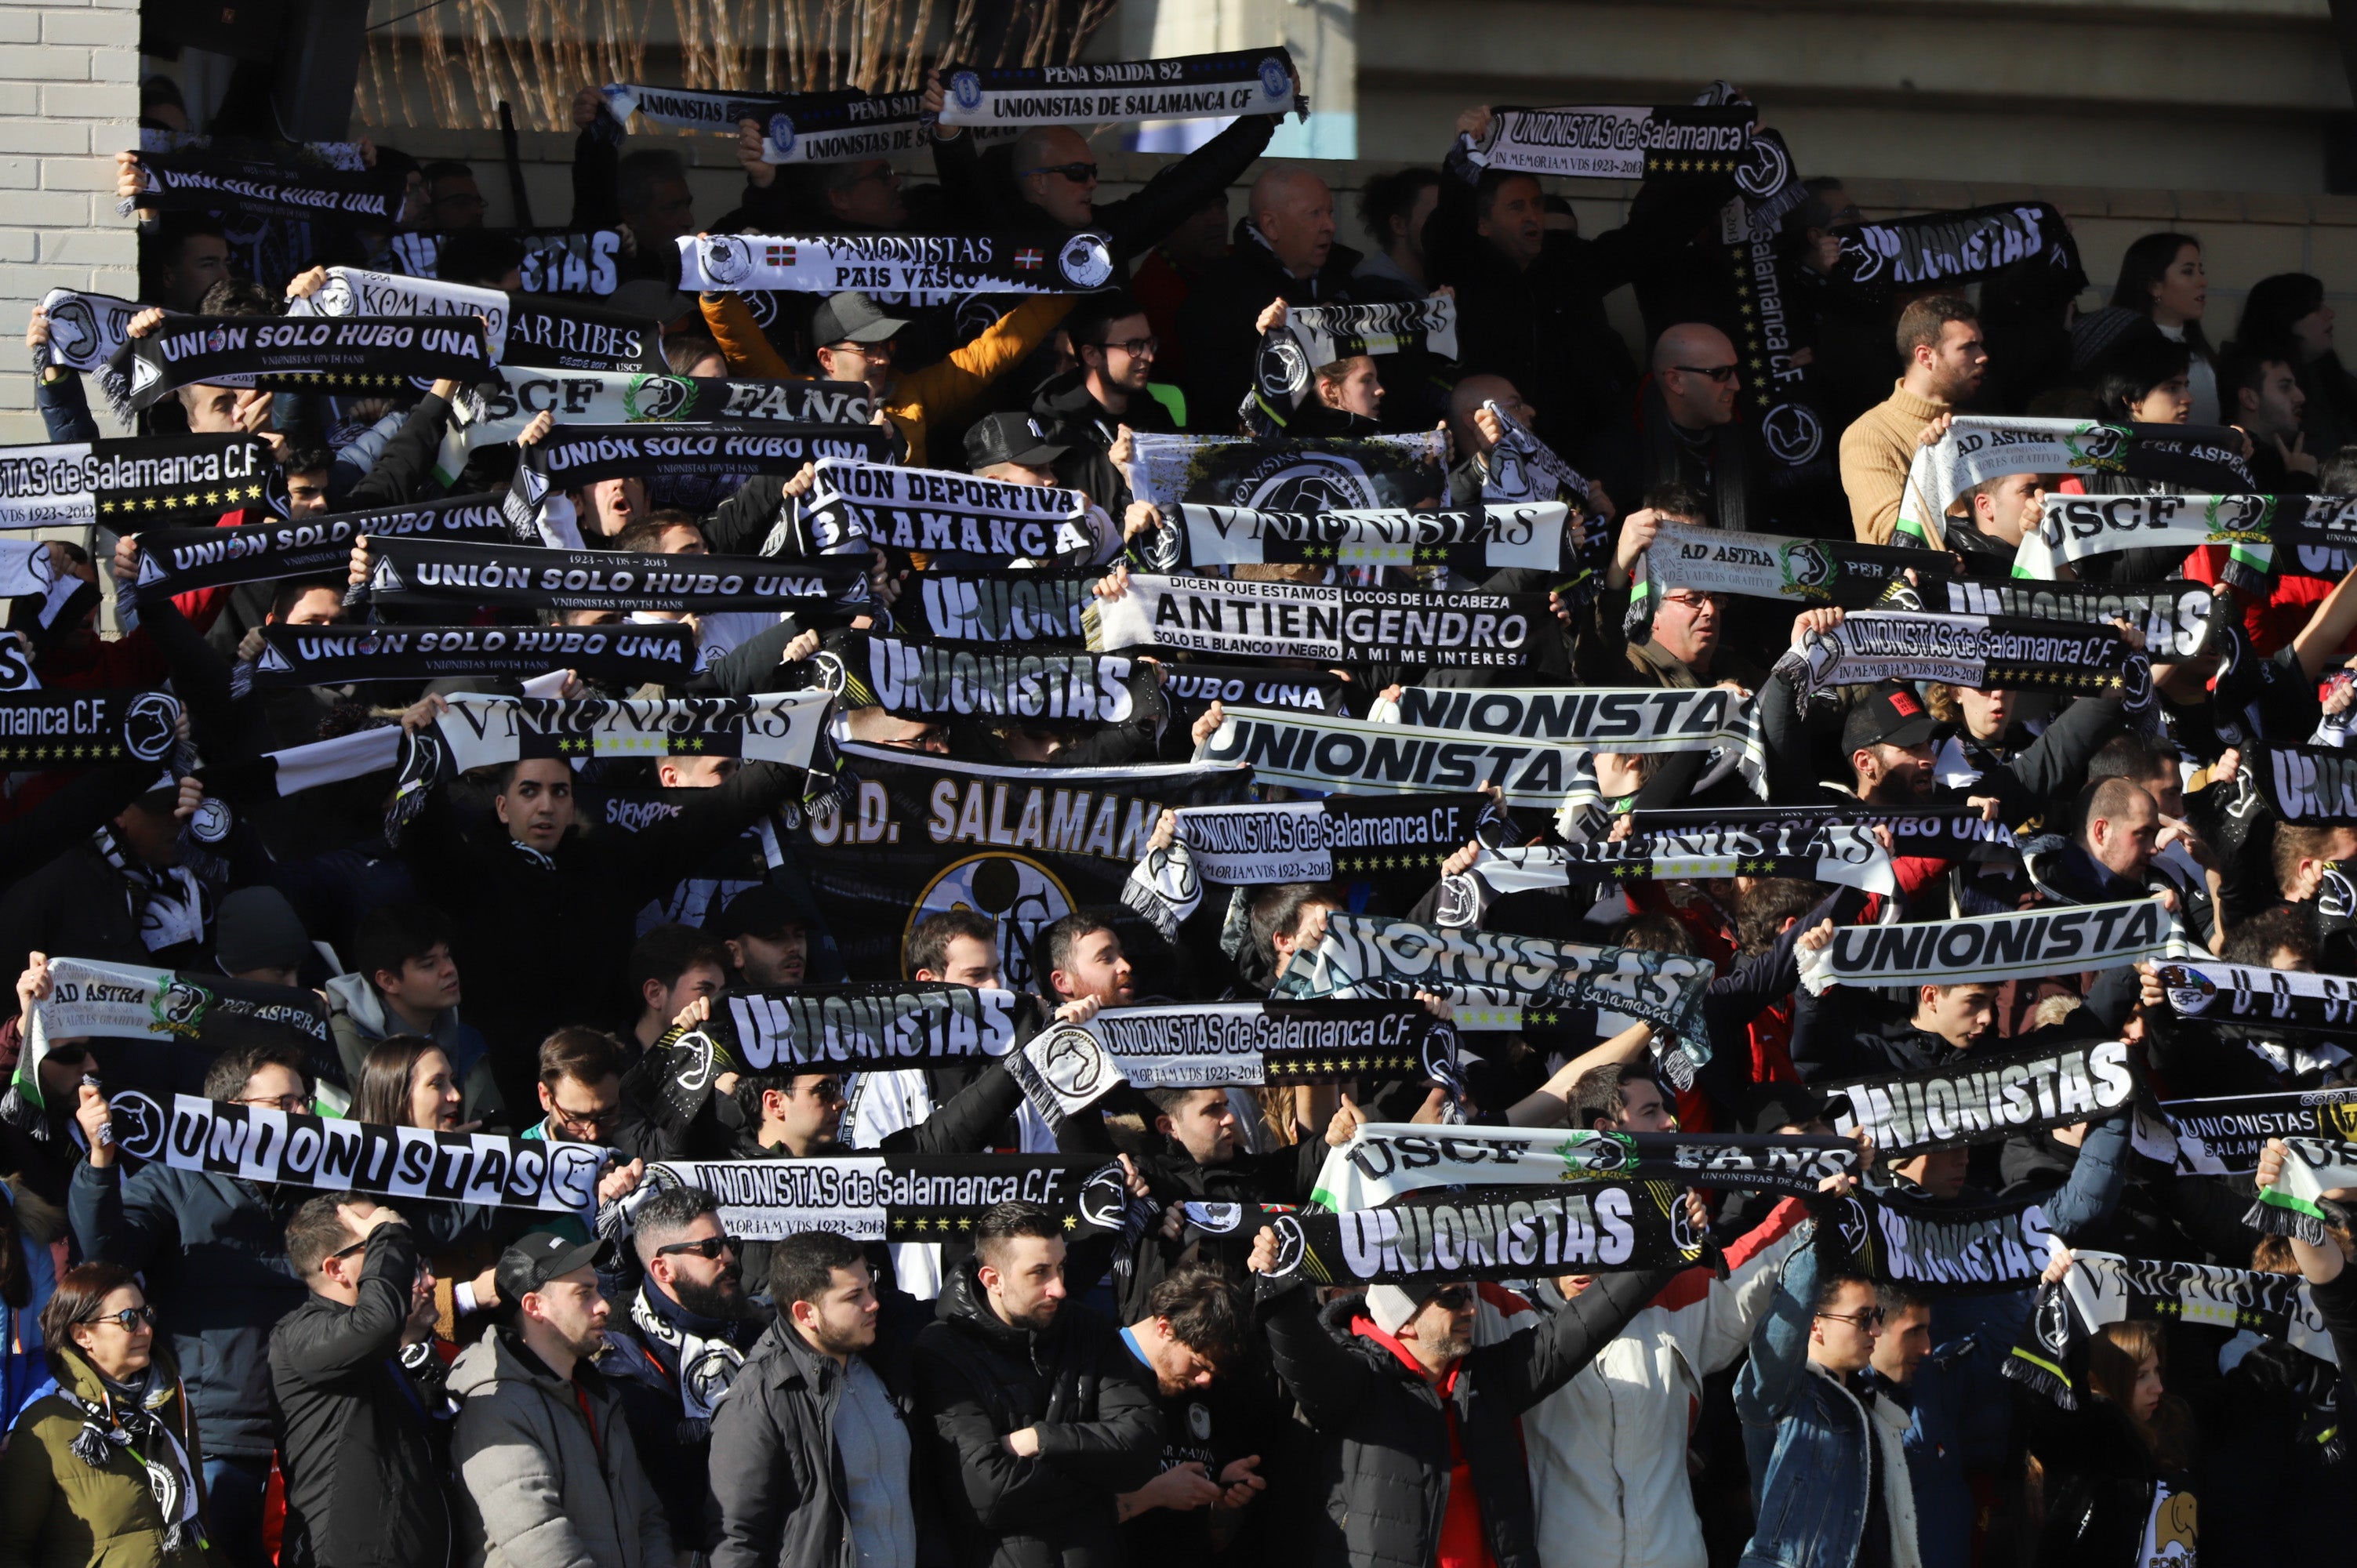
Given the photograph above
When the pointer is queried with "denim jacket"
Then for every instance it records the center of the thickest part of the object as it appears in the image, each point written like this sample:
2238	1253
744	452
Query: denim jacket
1805	1435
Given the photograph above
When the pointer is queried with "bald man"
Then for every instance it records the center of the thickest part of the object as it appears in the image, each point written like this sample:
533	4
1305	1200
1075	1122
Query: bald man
1690	434
1284	251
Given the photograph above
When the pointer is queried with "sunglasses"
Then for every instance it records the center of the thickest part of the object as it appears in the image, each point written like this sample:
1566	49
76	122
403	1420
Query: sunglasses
128	1319
709	1248
1079	173
359	1246
1455	1298
1870	1318
1719	373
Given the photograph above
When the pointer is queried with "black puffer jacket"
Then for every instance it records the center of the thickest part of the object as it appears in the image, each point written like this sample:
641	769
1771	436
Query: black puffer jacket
977	1379
1385	1465
1217	320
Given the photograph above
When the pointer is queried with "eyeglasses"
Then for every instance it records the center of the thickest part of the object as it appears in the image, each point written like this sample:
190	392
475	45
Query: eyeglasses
710	1247
879	350
1135	348
591	1119
1719	373
1870	1319
128	1319
290	1104
1691	599
1079	173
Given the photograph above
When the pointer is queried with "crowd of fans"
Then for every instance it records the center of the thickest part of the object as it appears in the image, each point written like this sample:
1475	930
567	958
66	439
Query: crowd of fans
201	1367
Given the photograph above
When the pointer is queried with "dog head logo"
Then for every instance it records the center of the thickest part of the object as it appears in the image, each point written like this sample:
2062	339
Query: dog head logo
1793	434
1281	368
1764	168
150	726
1439	1058
1461	902
179	1007
1103	1200
1216	1218
1162	547
1588	1155
692	1055
73	330
1085	261
706	1383
1074	1064
212	823
1808	567
727	259
2097	446
657	397
1292	1246
335	296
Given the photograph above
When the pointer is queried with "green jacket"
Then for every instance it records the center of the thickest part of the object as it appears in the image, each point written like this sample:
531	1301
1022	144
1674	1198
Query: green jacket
57	1512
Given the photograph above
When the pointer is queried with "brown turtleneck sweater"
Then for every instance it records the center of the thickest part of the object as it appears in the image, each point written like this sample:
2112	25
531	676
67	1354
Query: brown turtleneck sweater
1875	455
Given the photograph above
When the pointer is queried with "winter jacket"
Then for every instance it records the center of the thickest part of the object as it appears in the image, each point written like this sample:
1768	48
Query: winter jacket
364	1455
23	1368
547	1486
1387	1435
80	904
1089	429
1608	1450
57	1512
976	1379
2104	1486
1217	320
1806	1434
360	1022
777	1474
213	1249
646	1369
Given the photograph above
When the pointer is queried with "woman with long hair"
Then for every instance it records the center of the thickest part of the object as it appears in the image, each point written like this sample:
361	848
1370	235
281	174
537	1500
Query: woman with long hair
407	1081
2148	380
105	1469
2117	1471
2161	278
2288	311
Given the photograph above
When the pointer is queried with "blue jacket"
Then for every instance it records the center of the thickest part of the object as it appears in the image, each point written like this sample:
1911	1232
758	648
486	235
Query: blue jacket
23	1369
1807	1439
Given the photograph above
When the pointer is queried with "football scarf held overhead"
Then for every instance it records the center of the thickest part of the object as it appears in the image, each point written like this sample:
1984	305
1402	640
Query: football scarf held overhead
1497	980
1480	1233
2310	785
1768	567
478	731
998	606
1616	142
1944	831
303	354
1182	87
1521	468
2195	458
1986	1098
1315	335
572	455
86	331
2179	619
920	681
2311	1167
1296	474
1338	837
1985	652
181	559
1385	1161
136	482
1530	535
842	126
84	728
1843	854
937	269
436	575
1300	620
1956	247
265	1143
933	509
1067	1068
1941	1249
350	291
863	1029
556	260
2104	1288
2266	998
2047	940
195	180
565	335
89	999
2072	528
2226	1134
1191	687
627	656
520	393
897	1197
1019	845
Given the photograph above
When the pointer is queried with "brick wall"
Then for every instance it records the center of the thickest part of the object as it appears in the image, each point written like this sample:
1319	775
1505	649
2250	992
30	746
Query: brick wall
69	100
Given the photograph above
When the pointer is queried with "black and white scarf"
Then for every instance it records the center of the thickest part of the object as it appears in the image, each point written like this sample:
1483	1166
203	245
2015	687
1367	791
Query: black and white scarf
1616	142
2179	619
1385	1161
1941	831
842	126
702	1367
86	329
351	291
1500	981
1844	854
998	606
2225	1134
1991	946
1521	468
1299	621
2072	528
921	269
352	353
2195	458
921	680
1939	1248
1528	535
1936	248
136	482
626	655
1294	474
577	454
516	394
440	574
897	1197
2268	998
179	560
1190	688
79	727
1338	837
171	906
198	179
1986	652
1181	87
122	1001
565	335
2307	784
556	260
934	510
1985	1098
1770	566
1315	335
1067	1068
1475	1233
130	1422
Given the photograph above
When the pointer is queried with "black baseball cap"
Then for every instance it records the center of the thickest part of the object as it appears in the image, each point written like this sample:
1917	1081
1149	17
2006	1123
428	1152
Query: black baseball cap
851	317
1010	438
537	1257
764	911
1891	715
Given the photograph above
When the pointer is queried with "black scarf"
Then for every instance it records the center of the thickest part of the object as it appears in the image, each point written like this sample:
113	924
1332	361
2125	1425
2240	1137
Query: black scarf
1938	248
1294	621
138	482
921	269
998	606
625	656
125	1418
438	575
198	179
1181	87
350	353
178	559
578	455
1987	1097
556	260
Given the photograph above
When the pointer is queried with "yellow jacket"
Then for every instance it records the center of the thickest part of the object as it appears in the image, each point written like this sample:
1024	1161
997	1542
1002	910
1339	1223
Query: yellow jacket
944	390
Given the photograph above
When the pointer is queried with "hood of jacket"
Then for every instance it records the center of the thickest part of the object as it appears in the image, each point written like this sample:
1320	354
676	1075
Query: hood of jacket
2034	1156
965	1301
496	1357
1065	397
